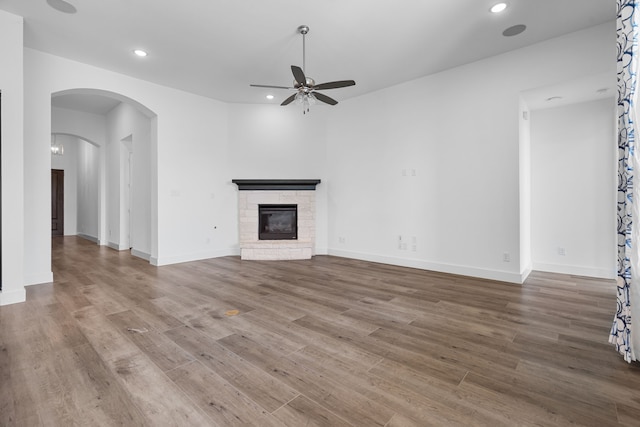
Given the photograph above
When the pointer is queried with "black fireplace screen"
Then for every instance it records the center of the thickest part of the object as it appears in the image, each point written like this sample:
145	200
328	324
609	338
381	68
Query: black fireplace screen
278	222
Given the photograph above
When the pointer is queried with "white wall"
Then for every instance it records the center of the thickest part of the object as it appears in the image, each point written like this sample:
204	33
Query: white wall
69	164
459	131
573	189
88	190
193	181
273	142
13	170
90	127
126	123
524	117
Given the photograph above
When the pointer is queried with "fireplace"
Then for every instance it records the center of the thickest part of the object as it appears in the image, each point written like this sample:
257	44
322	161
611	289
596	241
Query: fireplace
289	207
278	222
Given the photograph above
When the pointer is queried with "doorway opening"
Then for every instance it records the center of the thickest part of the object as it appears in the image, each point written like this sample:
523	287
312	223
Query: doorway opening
116	205
57	202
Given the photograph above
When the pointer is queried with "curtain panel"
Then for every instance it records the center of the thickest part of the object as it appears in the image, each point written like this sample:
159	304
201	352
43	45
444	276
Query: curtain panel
622	331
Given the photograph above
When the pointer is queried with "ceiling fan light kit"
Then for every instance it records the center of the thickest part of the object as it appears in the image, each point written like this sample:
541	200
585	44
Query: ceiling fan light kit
306	87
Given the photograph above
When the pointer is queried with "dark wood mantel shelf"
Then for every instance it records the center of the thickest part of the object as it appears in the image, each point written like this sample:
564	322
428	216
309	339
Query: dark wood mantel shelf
276	184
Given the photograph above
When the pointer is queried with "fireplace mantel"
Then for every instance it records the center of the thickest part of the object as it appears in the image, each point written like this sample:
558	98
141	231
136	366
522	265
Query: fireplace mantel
276	184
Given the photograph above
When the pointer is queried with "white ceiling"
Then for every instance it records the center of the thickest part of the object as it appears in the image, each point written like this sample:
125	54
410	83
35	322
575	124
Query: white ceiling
216	48
589	88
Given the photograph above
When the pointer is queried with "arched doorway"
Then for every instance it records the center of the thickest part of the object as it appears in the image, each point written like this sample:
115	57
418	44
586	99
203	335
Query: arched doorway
117	180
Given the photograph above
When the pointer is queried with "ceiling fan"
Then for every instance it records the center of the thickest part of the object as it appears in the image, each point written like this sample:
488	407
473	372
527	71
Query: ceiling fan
306	87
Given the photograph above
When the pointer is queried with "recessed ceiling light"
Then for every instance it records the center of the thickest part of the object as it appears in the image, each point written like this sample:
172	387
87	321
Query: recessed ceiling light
62	6
603	90
270	97
498	7
514	31
140	52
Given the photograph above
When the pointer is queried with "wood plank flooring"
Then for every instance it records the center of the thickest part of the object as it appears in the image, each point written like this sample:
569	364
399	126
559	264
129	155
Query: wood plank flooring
324	342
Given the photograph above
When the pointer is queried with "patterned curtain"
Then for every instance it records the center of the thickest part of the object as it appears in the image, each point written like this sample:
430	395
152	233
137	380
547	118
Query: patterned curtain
622	332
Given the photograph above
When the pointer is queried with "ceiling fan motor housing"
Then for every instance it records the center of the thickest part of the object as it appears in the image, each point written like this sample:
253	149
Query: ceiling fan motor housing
309	82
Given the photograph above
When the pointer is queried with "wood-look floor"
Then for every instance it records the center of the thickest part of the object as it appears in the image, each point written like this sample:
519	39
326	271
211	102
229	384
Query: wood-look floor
325	342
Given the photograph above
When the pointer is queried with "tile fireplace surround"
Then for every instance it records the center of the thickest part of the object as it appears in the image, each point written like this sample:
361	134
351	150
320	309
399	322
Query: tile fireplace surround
255	192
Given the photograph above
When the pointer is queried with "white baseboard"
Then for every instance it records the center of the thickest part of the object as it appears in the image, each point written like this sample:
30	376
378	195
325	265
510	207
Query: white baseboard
117	246
145	256
87	237
503	276
38	279
177	259
599	273
13	296
525	273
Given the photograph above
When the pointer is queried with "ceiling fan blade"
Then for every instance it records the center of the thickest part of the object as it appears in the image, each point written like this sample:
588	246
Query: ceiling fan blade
271	87
325	98
335	85
289	99
298	74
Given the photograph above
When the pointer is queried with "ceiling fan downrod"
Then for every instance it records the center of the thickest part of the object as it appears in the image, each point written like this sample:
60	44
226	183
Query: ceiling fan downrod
303	29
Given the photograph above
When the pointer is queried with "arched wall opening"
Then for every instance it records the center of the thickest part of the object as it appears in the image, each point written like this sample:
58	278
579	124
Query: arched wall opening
79	159
112	141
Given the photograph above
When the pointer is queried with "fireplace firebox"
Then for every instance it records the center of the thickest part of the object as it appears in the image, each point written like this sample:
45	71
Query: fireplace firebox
278	222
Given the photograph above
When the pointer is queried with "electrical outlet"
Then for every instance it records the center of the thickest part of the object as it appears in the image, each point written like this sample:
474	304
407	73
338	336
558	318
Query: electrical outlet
506	257
561	252
342	240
